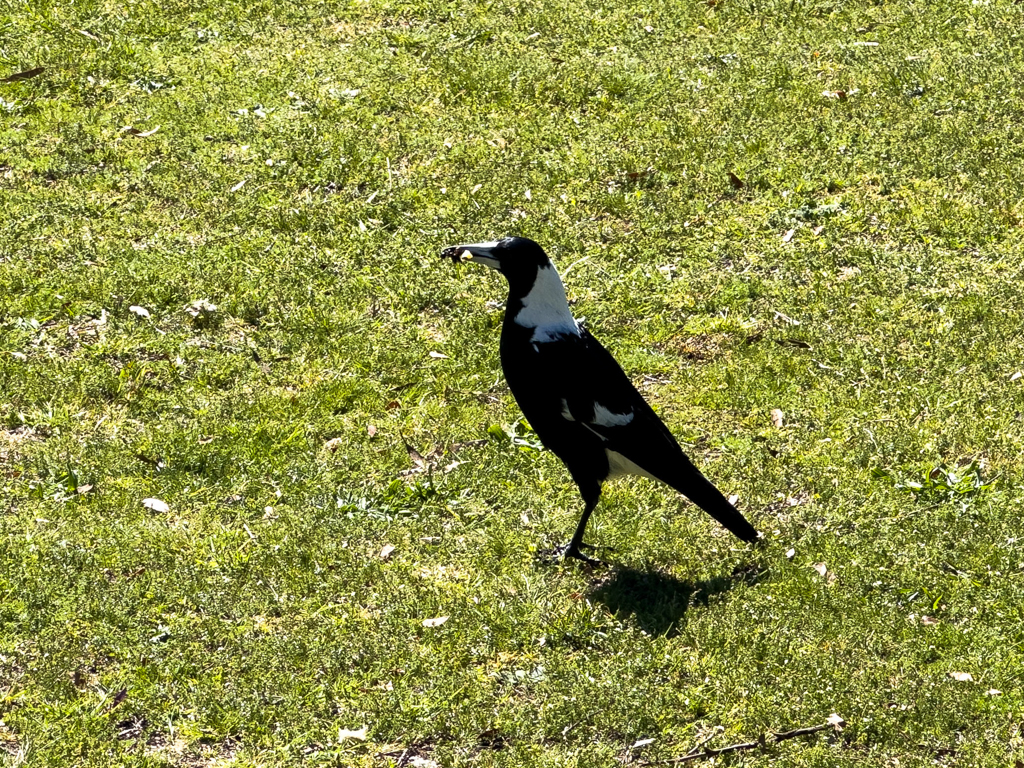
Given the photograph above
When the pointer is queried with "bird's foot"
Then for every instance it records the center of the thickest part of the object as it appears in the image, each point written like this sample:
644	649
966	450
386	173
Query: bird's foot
593	547
564	552
575	553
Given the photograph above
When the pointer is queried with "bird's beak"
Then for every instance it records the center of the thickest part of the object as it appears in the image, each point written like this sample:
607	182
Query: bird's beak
478	253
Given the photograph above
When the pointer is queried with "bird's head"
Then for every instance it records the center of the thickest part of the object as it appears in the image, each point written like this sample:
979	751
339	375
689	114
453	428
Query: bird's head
517	258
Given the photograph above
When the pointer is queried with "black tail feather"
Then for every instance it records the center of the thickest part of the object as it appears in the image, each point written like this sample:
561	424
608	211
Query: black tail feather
698	489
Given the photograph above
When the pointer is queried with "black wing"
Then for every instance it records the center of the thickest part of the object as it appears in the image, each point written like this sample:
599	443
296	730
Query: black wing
582	405
569	385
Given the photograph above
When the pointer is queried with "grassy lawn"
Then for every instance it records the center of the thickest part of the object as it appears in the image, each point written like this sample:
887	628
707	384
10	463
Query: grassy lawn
253	432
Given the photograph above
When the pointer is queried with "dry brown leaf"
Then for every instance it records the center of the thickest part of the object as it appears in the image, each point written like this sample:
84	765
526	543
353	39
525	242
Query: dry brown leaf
437	622
28	74
778	418
928	621
736	181
133	131
416	458
798	343
386	550
156	505
119	697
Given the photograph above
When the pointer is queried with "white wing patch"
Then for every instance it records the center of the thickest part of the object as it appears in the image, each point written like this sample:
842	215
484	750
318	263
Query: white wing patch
619	465
605	418
565	411
545	308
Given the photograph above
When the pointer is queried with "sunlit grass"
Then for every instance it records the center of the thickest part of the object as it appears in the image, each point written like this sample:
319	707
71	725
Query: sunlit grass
298	167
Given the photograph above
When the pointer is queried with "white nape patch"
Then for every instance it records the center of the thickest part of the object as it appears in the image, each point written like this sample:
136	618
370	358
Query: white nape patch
619	465
545	308
565	411
605	418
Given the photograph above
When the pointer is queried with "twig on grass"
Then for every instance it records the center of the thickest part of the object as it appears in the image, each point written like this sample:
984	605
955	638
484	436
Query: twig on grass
697	748
775	738
801	732
706	754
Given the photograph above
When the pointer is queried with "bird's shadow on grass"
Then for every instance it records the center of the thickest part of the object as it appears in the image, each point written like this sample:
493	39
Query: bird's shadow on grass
659	602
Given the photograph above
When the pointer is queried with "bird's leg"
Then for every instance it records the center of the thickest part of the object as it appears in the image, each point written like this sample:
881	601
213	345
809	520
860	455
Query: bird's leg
591	493
574	546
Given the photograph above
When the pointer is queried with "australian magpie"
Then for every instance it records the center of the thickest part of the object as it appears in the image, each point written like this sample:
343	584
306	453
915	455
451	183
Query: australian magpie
576	397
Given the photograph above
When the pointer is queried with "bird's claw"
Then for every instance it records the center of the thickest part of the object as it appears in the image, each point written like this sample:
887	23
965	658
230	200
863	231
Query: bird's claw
594	547
564	552
591	561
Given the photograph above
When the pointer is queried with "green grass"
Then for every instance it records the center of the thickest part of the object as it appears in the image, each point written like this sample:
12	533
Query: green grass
309	161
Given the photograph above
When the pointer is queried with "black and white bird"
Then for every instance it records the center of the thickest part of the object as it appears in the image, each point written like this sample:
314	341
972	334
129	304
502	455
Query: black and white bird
576	397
